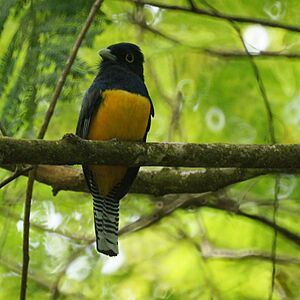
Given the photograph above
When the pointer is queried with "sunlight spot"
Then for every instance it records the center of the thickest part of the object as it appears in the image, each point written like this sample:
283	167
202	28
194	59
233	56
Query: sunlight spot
292	111
76	215
9	274
119	18
196	107
256	38
286	186
112	264
215	119
250	207
52	219
20	226
275	9
34	244
90	250
133	218
154	9
156	13
79	269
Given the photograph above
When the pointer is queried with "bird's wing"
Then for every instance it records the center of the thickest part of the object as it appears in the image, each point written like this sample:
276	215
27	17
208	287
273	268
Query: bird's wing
91	101
90	104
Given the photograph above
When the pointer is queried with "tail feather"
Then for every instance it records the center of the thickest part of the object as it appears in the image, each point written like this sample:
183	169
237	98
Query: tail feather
106	218
106	214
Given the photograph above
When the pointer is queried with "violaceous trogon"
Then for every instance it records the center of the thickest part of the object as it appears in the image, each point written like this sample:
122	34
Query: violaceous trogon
116	106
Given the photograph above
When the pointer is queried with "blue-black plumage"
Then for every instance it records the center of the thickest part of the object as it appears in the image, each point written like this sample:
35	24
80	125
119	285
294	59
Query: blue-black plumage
117	105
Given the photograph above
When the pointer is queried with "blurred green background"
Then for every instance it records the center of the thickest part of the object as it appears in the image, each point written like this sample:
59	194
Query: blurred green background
195	253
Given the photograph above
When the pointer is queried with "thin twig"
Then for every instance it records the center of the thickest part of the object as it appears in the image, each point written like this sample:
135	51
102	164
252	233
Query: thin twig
261	87
192	4
42	132
165	210
274	243
26	225
213	200
219	15
241	54
293	237
273	141
272	138
210	251
18	172
168	204
67	68
231	53
256	73
248	254
144	25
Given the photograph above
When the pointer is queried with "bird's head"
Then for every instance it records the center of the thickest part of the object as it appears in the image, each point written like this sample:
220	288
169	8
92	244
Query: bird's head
127	55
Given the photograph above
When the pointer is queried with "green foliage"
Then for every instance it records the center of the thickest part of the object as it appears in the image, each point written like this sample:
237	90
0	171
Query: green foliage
33	58
196	253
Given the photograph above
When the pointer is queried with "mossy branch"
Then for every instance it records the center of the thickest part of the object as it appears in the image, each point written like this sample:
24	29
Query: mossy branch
157	183
73	150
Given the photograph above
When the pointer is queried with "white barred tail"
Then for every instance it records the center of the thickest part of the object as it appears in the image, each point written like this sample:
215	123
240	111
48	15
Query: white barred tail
106	217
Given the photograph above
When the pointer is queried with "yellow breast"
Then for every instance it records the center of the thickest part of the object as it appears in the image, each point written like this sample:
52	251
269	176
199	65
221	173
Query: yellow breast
121	115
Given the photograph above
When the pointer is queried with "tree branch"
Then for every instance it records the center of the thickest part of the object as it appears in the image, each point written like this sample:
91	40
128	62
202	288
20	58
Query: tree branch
26	227
209	251
73	150
158	183
214	201
230	53
242	54
170	203
248	254
219	15
16	174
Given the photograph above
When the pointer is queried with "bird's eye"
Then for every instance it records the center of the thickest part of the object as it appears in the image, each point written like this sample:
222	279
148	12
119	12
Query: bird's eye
129	58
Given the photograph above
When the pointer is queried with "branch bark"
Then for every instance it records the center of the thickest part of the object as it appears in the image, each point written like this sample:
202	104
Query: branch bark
73	150
157	183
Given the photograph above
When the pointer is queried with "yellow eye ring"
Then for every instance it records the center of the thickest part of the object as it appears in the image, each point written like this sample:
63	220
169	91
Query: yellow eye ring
129	58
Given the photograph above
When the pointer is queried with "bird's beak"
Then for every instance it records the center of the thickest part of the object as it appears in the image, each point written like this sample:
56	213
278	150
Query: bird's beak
106	54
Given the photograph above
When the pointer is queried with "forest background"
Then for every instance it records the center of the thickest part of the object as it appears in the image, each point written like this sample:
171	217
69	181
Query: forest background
217	72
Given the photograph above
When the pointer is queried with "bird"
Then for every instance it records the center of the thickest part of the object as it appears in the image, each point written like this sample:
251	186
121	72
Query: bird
117	106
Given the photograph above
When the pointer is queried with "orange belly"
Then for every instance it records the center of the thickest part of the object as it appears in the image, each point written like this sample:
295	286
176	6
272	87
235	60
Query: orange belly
121	115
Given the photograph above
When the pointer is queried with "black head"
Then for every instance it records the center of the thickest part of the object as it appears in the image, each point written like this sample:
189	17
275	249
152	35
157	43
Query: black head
125	54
